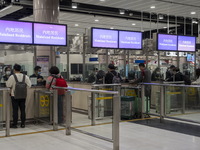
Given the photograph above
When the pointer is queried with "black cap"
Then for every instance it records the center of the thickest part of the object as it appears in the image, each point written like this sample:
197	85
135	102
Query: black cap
172	66
111	66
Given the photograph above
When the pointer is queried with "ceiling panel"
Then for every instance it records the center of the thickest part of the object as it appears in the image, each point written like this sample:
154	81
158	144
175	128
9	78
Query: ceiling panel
85	22
171	7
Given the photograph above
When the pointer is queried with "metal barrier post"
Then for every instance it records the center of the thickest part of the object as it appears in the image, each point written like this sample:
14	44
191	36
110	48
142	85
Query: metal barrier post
162	94
68	112
116	119
183	92
55	110
93	110
7	114
142	100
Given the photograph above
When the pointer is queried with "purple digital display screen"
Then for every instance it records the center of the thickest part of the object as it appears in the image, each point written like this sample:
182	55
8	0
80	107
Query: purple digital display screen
186	43
130	40
50	34
16	32
167	42
104	38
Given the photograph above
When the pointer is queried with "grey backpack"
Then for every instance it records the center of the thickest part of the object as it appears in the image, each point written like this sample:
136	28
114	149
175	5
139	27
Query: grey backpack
116	79
20	88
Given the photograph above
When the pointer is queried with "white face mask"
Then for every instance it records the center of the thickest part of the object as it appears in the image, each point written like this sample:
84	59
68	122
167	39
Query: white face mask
8	72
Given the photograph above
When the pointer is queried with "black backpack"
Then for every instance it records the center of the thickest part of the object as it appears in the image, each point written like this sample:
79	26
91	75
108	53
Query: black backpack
20	88
186	80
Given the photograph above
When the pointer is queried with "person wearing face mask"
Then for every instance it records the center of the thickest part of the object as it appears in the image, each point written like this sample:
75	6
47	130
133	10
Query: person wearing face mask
37	74
156	75
6	76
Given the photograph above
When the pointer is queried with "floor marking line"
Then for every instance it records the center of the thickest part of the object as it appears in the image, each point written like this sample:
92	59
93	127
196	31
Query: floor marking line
21	134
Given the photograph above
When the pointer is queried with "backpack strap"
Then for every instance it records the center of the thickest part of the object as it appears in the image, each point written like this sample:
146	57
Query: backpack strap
15	77
51	82
23	78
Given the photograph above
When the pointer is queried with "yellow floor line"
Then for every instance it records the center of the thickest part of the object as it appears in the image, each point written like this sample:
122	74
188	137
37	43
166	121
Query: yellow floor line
76	127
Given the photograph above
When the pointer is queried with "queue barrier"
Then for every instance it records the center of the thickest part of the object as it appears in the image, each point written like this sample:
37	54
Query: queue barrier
102	103
5	94
176	101
46	107
116	113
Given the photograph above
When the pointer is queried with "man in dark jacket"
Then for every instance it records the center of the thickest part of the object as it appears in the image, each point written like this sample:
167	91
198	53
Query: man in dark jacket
111	74
145	77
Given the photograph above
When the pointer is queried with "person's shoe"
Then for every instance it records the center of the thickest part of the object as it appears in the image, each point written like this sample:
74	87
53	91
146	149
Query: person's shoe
13	126
22	125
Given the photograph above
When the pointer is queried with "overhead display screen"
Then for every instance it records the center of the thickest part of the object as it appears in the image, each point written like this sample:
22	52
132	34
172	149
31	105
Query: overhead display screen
186	43
50	34
130	40
166	42
16	32
104	38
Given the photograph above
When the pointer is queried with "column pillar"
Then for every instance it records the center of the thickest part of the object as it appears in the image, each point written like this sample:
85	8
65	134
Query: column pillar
46	11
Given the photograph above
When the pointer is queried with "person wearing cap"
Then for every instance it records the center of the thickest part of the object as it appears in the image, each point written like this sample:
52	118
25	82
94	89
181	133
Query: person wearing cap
169	72
111	74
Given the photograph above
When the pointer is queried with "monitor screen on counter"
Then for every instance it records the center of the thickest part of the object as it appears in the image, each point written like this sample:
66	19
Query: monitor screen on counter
187	43
104	38
50	34
130	40
166	42
16	32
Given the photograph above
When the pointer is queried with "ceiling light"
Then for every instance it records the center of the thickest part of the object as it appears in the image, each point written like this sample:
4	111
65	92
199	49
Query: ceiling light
74	5
76	25
121	12
133	24
111	28
96	20
194	21
165	27
193	13
64	52
153	7
160	17
102	0
77	34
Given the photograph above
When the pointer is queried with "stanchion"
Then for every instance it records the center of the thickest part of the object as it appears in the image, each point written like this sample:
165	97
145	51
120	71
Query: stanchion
7	97
116	119
162	105
142	100
55	110
93	109
68	101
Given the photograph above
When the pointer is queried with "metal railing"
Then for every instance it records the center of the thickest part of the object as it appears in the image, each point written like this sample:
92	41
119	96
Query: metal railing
6	97
116	113
53	107
163	100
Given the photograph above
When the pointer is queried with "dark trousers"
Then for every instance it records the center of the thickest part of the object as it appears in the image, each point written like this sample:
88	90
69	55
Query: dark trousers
18	103
60	108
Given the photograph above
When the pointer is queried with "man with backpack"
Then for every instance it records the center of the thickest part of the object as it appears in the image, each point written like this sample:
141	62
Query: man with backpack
112	77
18	83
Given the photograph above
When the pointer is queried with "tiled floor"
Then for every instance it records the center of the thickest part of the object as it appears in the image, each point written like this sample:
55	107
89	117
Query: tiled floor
140	135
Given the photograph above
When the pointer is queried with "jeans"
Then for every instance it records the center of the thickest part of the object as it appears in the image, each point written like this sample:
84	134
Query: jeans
18	103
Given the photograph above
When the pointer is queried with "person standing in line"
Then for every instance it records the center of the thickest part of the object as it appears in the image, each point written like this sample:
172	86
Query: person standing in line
18	94
112	76
52	80
145	77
